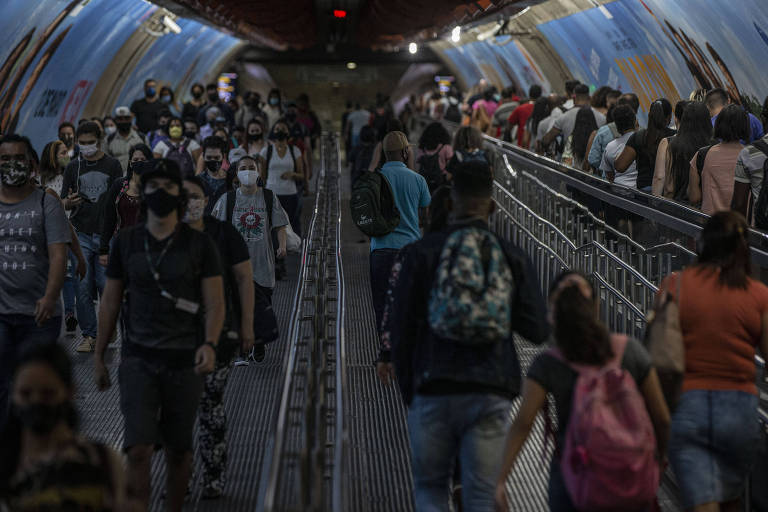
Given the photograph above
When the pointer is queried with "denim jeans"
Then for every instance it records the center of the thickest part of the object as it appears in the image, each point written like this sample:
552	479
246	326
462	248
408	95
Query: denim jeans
471	427
16	333
95	277
69	290
381	262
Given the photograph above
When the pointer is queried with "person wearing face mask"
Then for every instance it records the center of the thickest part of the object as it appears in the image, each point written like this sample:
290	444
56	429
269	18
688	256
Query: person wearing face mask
35	225
254	137
109	125
120	142
213	174
237	336
193	106
173	317
67	136
274	107
43	459
147	109
250	109
161	132
214	101
284	169
298	135
122	205
179	148
86	182
191	130
168	98
255	212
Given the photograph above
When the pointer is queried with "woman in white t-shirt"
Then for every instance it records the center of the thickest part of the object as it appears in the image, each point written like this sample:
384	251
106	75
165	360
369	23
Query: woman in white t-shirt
283	168
176	138
274	107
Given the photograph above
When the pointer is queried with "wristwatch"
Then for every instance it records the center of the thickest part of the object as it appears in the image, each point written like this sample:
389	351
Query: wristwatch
211	344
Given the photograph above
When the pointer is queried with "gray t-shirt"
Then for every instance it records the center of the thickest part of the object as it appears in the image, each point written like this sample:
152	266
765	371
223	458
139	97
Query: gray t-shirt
251	221
25	233
566	122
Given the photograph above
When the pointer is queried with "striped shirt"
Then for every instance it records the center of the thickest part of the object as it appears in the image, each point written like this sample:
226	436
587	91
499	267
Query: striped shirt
749	167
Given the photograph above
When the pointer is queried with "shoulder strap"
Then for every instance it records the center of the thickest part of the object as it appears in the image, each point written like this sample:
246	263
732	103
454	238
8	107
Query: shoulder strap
111	137
269	200
230	204
701	158
42	218
270	149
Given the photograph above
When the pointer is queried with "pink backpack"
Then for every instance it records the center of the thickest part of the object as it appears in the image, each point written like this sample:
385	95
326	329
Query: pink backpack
609	458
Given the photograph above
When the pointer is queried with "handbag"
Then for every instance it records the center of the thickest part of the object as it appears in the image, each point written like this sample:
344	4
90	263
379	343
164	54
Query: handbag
292	240
664	341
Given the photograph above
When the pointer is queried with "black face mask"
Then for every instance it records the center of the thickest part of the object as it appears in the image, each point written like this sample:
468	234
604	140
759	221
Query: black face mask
213	165
41	419
161	203
254	136
68	140
141	167
213	97
197	94
123	127
281	136
190	134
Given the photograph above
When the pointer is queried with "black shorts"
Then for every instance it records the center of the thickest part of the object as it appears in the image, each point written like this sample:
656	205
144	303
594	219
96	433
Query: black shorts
158	402
264	320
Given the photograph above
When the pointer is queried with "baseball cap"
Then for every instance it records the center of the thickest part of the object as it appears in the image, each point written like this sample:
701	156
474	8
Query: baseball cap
122	111
236	154
163	168
395	141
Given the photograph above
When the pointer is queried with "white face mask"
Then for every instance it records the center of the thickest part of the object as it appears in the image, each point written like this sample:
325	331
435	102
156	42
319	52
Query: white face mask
110	129
248	177
195	209
89	150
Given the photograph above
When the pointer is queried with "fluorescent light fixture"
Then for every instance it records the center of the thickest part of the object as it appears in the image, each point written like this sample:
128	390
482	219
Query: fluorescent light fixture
351	65
171	25
456	34
413	48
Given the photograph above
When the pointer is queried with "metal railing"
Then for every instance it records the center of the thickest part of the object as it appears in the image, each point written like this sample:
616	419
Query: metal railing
303	467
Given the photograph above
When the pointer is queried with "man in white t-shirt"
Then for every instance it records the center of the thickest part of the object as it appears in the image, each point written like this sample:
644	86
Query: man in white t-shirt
564	125
355	121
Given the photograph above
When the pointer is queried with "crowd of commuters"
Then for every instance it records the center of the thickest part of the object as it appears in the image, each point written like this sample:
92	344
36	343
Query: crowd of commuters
178	238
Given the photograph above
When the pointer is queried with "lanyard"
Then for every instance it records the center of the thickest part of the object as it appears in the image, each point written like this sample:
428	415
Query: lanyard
154	266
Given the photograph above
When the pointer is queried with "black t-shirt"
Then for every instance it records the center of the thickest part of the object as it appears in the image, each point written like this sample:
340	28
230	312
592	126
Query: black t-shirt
147	113
232	250
559	379
92	180
646	157
153	321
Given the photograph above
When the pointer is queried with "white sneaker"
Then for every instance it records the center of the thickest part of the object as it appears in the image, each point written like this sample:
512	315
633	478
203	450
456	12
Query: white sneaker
241	361
87	345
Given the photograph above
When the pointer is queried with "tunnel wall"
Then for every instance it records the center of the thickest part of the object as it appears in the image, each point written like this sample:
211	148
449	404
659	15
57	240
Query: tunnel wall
62	60
654	48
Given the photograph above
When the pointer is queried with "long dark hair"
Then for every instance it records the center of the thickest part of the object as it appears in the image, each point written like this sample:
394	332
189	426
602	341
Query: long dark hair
541	110
724	248
144	150
658	120
582	129
694	133
579	334
49	163
433	136
57	359
600	97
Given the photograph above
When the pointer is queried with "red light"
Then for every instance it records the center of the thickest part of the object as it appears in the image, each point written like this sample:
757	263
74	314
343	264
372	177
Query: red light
339	13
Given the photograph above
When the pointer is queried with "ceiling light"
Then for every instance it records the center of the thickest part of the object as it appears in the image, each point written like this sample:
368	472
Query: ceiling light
413	48
351	65
171	25
456	34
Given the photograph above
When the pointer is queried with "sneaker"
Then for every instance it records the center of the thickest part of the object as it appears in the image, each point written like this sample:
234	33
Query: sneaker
241	361
71	323
259	352
87	345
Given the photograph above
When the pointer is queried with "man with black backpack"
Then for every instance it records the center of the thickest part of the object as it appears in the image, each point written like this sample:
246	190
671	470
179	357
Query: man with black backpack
410	193
751	168
460	295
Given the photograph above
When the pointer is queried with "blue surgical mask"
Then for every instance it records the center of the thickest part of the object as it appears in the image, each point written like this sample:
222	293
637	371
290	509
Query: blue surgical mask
150	92
165	99
273	101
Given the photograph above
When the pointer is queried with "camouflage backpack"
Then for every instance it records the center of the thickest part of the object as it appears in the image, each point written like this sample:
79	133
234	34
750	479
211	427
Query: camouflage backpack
470	298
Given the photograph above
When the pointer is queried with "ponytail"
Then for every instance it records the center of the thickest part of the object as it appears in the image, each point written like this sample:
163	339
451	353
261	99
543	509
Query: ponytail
658	116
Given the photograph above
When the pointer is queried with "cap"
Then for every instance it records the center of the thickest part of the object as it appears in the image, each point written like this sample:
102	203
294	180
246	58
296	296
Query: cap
236	154
122	111
163	168
395	141
221	119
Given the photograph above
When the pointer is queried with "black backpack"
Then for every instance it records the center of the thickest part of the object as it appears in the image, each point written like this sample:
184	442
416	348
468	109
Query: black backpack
373	205
181	156
429	167
761	206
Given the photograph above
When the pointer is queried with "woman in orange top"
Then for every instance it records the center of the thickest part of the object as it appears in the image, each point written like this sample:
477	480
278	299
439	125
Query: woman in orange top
723	317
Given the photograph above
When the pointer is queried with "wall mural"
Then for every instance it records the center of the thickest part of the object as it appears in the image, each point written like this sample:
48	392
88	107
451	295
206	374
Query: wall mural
660	48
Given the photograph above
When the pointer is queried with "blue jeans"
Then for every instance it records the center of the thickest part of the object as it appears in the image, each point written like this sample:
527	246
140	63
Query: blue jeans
69	290
470	426
95	277
18	332
381	262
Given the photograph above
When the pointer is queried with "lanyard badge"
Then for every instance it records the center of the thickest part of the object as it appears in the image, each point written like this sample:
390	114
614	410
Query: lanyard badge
181	304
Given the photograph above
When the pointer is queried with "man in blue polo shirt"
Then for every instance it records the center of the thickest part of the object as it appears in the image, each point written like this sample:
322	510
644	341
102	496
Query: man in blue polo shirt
411	194
718	99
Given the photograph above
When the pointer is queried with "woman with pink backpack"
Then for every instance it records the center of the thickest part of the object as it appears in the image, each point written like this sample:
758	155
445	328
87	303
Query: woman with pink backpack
613	421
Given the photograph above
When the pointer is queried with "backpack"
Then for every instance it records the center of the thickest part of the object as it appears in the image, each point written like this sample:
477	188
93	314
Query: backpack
269	200
373	205
470	299
761	206
181	156
453	114
429	168
701	157
609	440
